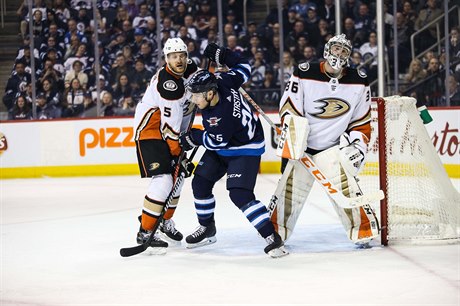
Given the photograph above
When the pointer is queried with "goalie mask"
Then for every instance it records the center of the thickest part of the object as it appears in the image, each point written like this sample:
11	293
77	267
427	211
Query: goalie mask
337	51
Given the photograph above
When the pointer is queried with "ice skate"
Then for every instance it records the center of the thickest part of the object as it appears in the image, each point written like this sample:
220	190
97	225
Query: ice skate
364	244
275	247
202	236
168	232
159	246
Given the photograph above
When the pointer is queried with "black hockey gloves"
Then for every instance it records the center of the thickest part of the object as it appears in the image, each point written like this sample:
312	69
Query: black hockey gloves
186	166
186	141
215	53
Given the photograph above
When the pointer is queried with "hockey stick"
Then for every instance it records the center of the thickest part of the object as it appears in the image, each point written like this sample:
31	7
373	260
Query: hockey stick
127	252
341	200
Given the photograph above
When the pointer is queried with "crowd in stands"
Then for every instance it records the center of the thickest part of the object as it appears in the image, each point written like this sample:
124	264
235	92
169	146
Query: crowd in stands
64	40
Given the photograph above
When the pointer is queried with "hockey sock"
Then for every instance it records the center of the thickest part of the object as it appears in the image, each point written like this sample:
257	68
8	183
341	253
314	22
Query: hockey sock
258	215
151	211
205	210
171	209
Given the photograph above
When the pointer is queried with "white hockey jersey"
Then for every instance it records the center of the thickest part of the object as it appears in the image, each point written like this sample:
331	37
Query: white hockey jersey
164	109
331	108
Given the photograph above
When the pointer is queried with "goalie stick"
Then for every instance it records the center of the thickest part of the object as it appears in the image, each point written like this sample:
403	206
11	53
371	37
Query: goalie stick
334	192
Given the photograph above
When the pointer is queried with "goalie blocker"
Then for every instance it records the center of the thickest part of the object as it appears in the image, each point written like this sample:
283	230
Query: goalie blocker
352	207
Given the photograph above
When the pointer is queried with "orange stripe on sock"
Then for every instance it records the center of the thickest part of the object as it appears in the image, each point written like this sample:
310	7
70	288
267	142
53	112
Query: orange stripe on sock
148	222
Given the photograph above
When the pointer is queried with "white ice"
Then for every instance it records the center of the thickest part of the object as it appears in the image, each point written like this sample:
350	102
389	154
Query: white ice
60	241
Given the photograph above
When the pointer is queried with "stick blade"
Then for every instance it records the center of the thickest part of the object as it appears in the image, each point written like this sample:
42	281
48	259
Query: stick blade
127	252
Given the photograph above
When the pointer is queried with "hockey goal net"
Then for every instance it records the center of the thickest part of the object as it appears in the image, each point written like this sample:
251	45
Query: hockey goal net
421	203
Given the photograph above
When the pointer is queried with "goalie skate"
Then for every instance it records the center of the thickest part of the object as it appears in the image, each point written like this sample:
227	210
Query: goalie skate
275	247
168	232
202	236
158	246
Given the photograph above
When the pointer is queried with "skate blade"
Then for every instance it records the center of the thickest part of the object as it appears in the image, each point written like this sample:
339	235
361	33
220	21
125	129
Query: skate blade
279	252
204	242
170	241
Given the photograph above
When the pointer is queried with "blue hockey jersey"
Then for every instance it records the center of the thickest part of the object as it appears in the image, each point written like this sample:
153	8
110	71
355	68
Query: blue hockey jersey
231	127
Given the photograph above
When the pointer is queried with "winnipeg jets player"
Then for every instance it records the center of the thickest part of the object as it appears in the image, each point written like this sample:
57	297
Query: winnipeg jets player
234	141
336	101
160	117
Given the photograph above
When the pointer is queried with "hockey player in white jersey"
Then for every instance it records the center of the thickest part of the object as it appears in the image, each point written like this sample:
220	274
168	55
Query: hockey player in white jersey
335	99
160	117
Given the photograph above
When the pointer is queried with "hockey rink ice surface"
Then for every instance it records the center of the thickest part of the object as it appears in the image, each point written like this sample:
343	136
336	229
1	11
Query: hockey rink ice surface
60	241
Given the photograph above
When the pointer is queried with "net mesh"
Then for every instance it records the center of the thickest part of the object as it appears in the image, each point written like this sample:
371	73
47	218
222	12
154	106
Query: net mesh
422	203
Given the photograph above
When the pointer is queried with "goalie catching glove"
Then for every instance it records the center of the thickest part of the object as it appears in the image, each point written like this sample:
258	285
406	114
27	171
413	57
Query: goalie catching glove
353	150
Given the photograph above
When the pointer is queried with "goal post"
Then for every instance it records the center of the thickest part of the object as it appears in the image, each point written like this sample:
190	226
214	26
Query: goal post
421	204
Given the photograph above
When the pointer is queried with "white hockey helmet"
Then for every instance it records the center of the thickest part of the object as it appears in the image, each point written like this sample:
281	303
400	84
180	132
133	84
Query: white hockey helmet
338	60
174	45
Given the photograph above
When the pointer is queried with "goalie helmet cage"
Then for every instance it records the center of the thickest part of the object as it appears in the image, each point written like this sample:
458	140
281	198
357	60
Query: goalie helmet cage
421	204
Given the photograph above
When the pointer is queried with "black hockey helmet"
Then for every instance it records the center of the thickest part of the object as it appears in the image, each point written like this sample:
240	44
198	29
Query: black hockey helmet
202	81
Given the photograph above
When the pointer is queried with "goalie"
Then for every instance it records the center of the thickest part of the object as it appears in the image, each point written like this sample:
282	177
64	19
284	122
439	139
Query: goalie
328	105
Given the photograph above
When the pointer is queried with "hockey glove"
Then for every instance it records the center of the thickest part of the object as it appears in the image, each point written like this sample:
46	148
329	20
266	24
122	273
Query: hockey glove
352	152
186	141
215	53
186	166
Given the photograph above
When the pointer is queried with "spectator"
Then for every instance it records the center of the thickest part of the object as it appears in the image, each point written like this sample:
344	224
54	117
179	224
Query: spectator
363	23
102	30
427	15
76	72
52	95
258	68
350	31
141	77
409	14
274	50
233	45
44	110
193	53
237	26
73	32
50	46
301	43
16	84
244	41
149	57
140	21
108	9
20	110
356	60
416	72
289	64
107	106
272	16
350	9
309	55
168	26
301	8
132	8
83	20
203	15
327	12
311	27
189	23
454	91
181	12
369	53
61	11
74	99
121	16
293	37
454	43
434	86
211	38
121	90
80	55
49	72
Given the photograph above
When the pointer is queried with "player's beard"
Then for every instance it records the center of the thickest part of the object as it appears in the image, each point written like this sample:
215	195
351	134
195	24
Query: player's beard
178	70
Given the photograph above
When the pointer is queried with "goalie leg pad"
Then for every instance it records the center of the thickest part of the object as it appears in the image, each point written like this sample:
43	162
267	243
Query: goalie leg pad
292	141
360	223
290	197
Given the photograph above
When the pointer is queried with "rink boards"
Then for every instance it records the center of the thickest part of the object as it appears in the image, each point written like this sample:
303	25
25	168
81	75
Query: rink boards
87	147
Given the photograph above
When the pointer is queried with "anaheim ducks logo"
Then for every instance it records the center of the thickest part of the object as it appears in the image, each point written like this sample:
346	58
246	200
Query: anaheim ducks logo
154	166
331	108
